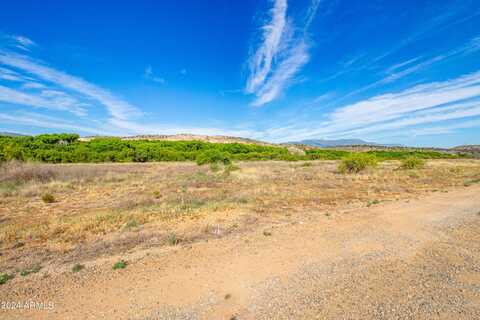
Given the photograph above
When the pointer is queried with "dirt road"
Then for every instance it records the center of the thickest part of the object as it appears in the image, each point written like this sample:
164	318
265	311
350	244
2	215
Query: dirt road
399	260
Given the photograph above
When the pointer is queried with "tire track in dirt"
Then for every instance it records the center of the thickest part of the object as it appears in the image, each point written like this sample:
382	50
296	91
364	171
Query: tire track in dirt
401	260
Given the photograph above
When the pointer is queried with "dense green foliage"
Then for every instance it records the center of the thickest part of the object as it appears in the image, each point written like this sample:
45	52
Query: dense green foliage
66	148
404	154
357	162
213	156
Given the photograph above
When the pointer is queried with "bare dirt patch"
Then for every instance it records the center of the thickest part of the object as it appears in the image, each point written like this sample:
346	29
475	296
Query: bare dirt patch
410	259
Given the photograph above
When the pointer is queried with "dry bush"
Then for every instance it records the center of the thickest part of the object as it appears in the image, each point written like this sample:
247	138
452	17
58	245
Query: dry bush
17	172
28	178
48	198
23	172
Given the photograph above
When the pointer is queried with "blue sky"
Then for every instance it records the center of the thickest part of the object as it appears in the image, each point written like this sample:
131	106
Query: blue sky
277	70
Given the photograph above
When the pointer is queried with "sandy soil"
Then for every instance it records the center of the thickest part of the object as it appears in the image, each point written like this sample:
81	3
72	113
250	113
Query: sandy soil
410	259
101	210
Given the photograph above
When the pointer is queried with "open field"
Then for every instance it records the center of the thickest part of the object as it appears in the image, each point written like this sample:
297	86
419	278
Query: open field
101	209
56	216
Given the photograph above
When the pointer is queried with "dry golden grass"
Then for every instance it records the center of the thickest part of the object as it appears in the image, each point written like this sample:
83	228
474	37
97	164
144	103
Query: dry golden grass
100	202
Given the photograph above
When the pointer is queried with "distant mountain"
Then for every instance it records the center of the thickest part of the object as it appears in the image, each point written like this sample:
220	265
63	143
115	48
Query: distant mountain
11	134
334	143
468	147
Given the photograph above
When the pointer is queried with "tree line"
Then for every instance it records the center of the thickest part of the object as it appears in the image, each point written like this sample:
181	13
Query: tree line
67	148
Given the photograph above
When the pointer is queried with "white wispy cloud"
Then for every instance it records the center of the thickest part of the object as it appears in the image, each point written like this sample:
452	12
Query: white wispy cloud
23	43
440	114
472	46
398	74
445	128
47	99
149	75
261	61
281	54
40	86
452	14
10	75
311	12
351	61
285	71
425	104
324	97
47	122
400	65
116	107
406	68
32	85
386	106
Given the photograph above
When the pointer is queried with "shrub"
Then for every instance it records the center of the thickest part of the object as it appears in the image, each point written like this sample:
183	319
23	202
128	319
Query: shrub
77	267
48	198
357	162
213	156
141	156
412	163
119	265
4	277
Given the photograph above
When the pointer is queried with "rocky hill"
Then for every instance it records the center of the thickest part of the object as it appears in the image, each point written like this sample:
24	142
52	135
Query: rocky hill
473	149
189	137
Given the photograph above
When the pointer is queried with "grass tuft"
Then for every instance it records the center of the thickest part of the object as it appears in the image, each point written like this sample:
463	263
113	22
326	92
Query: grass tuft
172	239
119	265
373	202
34	269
